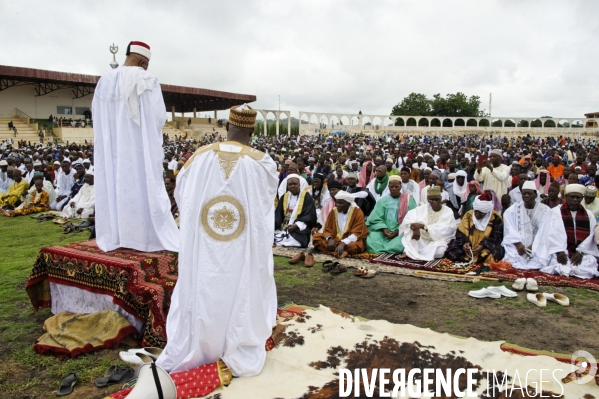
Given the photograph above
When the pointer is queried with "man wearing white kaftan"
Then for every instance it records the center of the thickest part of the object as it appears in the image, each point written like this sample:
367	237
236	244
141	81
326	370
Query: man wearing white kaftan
85	200
132	206
224	304
585	266
437	231
533	228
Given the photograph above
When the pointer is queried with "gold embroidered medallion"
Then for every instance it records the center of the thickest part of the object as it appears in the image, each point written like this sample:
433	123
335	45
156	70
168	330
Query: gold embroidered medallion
223	218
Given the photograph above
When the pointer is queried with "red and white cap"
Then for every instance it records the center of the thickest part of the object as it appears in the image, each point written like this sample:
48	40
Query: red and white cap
139	48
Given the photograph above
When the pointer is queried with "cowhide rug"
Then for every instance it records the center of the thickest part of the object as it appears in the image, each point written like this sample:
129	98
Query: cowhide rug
313	347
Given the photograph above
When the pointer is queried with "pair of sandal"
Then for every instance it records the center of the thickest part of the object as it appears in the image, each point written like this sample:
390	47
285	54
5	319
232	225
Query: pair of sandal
334	268
115	375
365	273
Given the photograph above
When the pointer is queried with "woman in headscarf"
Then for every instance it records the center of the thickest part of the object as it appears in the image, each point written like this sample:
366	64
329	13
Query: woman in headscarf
543	182
470	195
479	234
366	174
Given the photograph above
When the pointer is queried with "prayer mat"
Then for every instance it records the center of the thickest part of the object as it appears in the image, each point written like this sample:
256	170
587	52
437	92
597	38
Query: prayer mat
140	282
70	335
543	278
314	344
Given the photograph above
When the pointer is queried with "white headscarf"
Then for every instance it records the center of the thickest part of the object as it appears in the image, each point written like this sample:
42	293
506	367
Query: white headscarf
345	196
457	189
485	207
283	186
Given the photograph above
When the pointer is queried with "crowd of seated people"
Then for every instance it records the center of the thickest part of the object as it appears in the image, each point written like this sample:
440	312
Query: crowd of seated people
532	202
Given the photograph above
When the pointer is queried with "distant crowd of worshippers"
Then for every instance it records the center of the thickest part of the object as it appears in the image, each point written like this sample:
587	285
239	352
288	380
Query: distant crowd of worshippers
420	196
475	209
58	182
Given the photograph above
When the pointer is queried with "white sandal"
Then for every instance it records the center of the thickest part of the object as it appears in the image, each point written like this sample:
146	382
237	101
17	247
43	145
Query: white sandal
531	285
558	298
537	299
519	284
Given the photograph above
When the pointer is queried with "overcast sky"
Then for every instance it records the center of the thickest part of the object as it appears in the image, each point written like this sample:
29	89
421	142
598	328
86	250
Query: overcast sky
536	57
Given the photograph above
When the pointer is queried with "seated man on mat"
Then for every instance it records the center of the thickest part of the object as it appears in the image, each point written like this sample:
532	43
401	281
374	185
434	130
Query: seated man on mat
529	233
39	202
479	234
17	188
82	205
576	256
427	229
295	216
386	217
345	230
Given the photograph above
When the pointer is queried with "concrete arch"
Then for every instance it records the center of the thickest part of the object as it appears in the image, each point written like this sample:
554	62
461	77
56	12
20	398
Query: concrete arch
399	121
497	122
377	121
509	122
577	123
355	121
388	121
423	122
563	123
471	122
366	119
301	118
436	122
459	122
313	119
447	122
344	120
334	119
549	123
536	123
411	121
484	122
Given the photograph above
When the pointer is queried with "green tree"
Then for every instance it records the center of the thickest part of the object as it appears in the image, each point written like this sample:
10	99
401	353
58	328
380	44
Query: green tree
456	105
414	104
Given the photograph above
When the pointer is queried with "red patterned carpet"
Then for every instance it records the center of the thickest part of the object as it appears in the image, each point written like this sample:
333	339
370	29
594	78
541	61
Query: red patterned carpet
140	282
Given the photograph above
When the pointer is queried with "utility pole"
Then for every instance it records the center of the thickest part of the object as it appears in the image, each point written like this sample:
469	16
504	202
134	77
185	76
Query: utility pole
490	102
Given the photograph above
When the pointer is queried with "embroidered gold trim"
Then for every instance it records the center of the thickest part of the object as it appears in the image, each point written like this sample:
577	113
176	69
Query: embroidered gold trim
227	160
223	218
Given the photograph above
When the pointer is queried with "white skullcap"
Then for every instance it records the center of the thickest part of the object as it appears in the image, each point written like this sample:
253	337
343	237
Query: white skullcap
575	188
86	160
37	163
56	163
3	163
529	185
389	160
293	175
451	176
427	168
89	172
394	177
590	191
497	152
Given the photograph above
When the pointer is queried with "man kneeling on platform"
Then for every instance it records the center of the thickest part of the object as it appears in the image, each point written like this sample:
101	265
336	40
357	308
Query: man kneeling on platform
345	230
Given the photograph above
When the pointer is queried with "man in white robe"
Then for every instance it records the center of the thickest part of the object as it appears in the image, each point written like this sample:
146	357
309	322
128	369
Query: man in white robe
132	206
82	205
577	252
530	237
427	229
224	305
494	175
64	184
408	185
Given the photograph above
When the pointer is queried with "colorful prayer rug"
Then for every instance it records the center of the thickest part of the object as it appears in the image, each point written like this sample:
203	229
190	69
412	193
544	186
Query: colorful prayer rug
140	282
70	335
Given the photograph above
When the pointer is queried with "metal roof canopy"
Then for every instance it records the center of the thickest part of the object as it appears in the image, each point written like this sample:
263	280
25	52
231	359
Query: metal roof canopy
184	99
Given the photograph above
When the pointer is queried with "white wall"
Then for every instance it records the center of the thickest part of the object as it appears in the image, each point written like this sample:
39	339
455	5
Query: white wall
24	98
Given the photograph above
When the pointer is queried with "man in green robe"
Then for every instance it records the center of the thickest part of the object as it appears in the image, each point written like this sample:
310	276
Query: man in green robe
385	219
